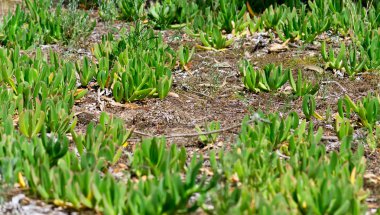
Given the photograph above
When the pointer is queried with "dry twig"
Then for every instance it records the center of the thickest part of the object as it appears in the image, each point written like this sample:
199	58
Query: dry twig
337	83
202	133
170	136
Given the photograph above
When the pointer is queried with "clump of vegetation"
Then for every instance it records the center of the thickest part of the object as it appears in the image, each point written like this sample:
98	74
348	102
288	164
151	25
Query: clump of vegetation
185	54
270	78
214	40
352	62
136	66
209	128
132	9
42	24
302	87
172	14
